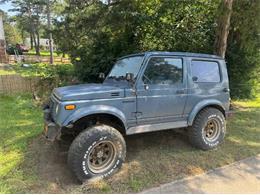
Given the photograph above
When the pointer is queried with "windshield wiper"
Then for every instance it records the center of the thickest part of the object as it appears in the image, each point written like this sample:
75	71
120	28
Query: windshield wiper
117	78
111	77
121	78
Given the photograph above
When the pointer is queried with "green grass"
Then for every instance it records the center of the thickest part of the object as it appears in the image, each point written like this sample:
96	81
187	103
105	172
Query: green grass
45	53
152	158
255	103
7	72
20	121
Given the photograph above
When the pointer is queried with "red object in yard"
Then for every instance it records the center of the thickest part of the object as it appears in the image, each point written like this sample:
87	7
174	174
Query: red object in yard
22	47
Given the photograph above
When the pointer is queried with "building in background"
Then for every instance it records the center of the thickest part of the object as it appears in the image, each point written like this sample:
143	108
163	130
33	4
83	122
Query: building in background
3	57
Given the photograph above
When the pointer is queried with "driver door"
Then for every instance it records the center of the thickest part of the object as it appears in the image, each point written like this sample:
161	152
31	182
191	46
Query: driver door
161	93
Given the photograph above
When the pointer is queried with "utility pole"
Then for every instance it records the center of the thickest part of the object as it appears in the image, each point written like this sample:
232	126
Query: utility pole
49	29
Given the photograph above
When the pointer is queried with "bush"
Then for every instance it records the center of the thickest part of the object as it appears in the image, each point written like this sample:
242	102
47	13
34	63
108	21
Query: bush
243	57
50	76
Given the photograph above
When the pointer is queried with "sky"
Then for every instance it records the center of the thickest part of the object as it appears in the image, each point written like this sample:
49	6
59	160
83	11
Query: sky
5	7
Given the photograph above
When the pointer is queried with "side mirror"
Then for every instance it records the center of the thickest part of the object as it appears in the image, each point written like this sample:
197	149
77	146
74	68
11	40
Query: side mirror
195	79
129	76
101	75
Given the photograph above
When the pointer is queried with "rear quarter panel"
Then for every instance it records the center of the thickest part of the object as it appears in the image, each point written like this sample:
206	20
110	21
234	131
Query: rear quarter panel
203	94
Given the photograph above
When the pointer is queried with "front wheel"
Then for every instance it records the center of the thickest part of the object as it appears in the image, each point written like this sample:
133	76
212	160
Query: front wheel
208	129
99	151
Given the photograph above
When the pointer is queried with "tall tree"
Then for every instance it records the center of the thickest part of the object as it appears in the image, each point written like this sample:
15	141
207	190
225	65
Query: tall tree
243	56
31	12
225	11
13	34
49	31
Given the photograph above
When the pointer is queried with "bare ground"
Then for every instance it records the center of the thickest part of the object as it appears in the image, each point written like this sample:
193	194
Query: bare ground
152	159
49	161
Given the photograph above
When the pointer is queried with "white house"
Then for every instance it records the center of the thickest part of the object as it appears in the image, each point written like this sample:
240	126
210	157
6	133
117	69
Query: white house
3	57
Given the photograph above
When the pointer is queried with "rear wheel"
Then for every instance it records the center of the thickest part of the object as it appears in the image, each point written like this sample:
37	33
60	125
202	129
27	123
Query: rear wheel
208	129
97	152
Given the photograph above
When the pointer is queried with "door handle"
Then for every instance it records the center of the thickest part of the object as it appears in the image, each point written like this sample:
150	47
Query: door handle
180	91
226	90
146	87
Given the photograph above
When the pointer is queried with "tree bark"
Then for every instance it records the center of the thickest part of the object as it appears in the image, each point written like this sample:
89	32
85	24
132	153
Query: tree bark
31	40
220	45
50	33
37	48
34	40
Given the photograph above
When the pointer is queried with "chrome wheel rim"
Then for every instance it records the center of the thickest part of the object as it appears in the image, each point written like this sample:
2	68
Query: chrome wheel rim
102	157
211	130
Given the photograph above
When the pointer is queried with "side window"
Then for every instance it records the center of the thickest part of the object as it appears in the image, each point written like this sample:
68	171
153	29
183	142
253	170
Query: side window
163	70
205	71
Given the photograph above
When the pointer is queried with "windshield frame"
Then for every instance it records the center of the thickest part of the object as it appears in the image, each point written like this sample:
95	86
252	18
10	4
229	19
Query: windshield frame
124	57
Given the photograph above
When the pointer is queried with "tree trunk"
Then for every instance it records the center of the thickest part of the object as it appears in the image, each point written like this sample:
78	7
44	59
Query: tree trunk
31	39
50	33
37	48
34	40
223	28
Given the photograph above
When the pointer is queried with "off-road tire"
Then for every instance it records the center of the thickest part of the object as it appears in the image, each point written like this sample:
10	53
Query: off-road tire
196	132
81	149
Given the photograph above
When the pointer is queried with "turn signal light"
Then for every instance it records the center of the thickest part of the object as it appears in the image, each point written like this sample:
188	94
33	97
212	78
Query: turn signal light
70	107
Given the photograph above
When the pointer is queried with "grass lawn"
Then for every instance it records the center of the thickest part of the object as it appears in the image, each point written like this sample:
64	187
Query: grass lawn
20	121
6	72
45	53
30	164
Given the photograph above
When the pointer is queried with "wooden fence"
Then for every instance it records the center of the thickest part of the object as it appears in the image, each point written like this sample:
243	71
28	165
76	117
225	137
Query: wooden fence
11	84
33	58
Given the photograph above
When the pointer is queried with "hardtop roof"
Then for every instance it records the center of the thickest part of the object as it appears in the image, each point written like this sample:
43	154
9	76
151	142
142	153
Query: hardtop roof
186	54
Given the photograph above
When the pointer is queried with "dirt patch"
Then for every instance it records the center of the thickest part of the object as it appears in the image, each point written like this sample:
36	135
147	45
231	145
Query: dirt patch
49	161
50	166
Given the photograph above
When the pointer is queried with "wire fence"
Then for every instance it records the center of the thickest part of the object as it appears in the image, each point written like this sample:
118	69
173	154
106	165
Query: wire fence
11	84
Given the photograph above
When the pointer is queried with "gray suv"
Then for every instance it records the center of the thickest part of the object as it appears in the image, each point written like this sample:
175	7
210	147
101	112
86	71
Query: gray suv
144	92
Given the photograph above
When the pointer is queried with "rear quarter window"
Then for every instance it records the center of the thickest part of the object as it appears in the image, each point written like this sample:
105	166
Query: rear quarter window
205	71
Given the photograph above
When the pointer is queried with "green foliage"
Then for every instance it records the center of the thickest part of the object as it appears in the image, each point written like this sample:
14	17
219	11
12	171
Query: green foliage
243	56
123	27
95	34
12	34
44	70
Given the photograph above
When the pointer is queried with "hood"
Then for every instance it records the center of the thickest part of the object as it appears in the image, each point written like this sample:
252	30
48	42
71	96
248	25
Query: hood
88	92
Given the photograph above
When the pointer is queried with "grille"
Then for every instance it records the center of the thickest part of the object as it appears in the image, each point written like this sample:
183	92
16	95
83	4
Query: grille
53	104
114	94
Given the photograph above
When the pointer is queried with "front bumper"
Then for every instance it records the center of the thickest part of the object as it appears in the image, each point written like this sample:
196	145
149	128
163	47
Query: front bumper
51	129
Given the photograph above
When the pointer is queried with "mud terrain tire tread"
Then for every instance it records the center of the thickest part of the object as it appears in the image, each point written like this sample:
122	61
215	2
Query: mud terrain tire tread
84	140
195	131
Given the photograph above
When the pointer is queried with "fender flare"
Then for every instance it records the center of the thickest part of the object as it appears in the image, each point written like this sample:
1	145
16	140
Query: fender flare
95	109
199	106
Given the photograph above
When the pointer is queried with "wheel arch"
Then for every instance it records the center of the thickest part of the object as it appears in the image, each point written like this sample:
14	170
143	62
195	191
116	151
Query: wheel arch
202	105
98	114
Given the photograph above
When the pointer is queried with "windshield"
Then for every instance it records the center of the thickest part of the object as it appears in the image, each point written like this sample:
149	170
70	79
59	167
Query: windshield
126	65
